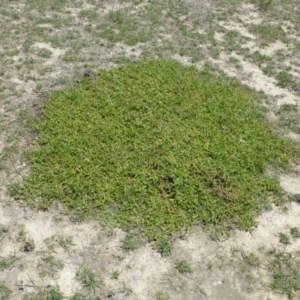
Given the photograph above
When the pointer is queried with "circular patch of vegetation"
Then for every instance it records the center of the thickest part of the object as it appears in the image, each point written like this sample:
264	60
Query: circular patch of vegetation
158	146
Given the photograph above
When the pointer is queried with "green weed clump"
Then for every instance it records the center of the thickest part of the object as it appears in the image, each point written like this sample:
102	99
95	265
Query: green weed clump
88	278
183	267
158	146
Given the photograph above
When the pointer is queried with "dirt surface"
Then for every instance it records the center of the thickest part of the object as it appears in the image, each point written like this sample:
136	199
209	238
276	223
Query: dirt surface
46	46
